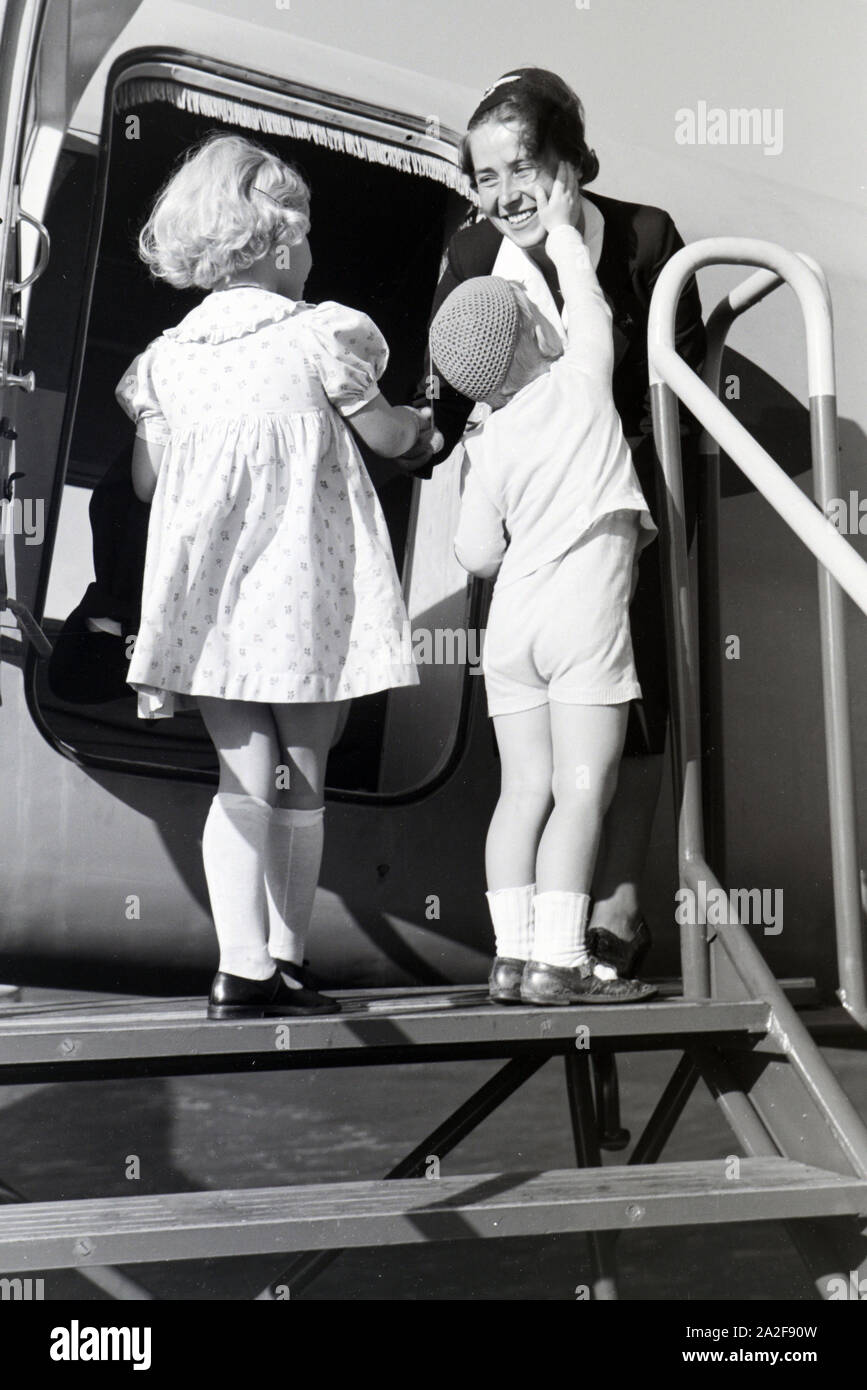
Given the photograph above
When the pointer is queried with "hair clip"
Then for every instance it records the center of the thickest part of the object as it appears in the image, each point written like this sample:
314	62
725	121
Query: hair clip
509	77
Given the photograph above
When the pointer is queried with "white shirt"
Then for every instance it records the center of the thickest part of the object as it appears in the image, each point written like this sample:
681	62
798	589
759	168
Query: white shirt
549	464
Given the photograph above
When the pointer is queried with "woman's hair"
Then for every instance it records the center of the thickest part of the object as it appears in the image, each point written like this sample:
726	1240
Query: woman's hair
549	113
226	207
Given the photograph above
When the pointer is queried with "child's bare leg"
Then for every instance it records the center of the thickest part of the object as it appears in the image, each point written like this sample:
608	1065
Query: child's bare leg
236	830
305	734
244	736
524	742
587	741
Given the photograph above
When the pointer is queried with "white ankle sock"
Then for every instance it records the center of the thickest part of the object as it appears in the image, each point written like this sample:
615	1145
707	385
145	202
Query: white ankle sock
560	929
511	912
233	850
293	860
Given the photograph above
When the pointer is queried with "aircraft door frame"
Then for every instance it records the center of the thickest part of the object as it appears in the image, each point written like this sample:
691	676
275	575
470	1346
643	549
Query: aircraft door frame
34	111
33	118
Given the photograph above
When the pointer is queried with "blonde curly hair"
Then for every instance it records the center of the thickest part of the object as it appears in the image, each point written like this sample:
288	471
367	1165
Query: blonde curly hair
228	205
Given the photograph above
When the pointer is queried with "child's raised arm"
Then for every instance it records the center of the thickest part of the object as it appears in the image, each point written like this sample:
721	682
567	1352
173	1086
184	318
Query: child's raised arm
590	341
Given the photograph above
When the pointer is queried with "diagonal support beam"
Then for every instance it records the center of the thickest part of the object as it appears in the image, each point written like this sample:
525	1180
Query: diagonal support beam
667	1112
831	1250
440	1141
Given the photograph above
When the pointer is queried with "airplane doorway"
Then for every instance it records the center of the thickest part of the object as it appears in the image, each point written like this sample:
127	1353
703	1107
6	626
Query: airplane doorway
377	238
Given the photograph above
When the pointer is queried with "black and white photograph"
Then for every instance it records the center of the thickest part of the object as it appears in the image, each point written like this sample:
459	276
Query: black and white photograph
433	678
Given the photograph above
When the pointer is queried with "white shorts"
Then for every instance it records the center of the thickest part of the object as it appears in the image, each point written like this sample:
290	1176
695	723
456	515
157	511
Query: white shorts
562	632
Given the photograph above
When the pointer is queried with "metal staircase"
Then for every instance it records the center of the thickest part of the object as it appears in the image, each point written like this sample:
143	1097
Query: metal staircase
737	1031
803	1163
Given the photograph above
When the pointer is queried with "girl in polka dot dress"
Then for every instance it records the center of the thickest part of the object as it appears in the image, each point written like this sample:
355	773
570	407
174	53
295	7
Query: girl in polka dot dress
270	593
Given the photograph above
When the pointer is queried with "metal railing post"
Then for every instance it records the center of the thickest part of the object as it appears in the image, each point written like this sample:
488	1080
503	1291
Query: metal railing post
838	730
683	679
837	561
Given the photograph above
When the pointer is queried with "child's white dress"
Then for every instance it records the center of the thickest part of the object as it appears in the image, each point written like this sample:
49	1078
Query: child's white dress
269	573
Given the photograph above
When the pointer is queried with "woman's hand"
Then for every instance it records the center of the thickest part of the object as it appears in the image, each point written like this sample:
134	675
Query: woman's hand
561	206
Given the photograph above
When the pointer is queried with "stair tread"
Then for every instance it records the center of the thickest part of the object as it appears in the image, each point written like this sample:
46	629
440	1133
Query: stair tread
322	1216
107	1030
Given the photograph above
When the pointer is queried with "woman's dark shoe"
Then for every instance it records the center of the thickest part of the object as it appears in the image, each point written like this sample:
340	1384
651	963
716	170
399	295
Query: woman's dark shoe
233	996
626	957
504	981
555	986
302	973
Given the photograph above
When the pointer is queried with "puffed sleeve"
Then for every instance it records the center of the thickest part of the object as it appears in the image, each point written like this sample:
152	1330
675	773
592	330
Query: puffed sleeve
136	395
349	354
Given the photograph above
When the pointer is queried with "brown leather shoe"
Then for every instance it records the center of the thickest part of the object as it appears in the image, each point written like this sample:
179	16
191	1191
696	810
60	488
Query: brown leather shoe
554	986
233	996
504	981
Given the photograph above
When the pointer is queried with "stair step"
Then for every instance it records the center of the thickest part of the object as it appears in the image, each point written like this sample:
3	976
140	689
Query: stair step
78	1037
200	1225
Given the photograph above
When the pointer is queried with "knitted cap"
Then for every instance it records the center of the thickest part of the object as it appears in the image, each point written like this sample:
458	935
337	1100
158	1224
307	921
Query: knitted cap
473	335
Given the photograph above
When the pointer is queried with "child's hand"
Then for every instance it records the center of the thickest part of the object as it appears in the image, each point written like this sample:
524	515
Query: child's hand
428	443
428	434
560	207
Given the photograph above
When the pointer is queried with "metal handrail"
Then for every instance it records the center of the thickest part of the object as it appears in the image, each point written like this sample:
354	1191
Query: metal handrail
670	378
744	296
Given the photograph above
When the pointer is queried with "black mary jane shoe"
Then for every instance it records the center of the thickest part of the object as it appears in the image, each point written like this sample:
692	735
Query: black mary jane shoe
234	997
626	957
504	981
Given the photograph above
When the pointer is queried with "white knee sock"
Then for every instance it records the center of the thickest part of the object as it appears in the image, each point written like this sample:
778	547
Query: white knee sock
292	866
560	929
511	912
233	850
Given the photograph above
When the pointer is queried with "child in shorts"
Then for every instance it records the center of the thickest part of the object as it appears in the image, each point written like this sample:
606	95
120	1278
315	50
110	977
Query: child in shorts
552	508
